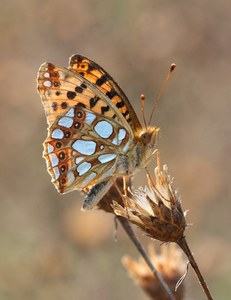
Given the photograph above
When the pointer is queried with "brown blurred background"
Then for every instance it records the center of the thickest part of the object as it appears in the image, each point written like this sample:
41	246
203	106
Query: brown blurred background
51	250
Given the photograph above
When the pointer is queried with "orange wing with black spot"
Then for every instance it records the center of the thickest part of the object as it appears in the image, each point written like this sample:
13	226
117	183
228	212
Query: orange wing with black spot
106	84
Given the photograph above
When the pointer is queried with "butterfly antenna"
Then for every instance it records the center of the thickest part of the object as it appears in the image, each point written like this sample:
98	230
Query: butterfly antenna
142	97
172	67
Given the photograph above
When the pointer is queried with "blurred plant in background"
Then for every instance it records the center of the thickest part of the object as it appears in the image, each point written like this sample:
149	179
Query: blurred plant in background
169	263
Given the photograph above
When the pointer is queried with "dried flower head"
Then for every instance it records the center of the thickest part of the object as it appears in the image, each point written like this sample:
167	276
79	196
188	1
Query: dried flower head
112	194
156	209
170	265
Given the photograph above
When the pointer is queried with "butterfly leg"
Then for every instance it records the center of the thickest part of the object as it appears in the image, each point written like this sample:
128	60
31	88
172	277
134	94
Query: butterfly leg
125	194
96	194
124	186
155	153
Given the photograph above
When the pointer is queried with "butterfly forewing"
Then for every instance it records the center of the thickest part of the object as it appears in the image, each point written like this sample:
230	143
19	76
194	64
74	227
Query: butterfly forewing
61	89
104	82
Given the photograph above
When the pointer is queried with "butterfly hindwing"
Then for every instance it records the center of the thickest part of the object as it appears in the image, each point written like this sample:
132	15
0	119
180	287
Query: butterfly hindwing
81	148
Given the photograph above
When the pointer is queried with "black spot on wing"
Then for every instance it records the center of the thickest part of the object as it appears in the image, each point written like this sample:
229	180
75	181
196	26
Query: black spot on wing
100	81
63	168
81	105
104	109
58	145
79	89
83	85
120	104
111	94
54	106
71	95
93	101
61	155
67	134
125	113
90	68
64	105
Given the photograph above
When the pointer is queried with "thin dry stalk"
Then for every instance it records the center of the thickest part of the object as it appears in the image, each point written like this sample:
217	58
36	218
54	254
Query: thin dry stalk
184	246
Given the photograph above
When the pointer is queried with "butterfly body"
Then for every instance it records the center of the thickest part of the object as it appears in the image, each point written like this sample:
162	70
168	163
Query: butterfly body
139	154
94	135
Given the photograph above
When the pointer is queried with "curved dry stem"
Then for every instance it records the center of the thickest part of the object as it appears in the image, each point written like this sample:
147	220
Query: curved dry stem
127	227
184	246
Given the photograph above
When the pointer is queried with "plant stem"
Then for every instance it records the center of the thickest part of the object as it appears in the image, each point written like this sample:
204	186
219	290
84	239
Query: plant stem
127	227
184	246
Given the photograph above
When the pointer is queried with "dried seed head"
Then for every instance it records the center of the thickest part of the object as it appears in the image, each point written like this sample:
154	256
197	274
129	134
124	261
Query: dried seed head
169	264
114	193
156	209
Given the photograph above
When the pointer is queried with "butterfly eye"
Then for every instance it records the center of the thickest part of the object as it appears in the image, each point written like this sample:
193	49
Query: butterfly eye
145	137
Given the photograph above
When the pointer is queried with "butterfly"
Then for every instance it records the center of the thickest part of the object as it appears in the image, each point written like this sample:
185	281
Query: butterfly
94	135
